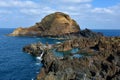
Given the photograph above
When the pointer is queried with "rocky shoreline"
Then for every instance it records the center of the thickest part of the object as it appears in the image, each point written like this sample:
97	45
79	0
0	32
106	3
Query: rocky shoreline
103	63
97	56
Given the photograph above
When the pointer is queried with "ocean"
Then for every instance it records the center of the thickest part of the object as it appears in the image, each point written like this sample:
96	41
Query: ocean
108	32
17	65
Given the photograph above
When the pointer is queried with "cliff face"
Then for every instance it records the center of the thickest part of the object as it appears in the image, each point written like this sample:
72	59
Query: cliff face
54	24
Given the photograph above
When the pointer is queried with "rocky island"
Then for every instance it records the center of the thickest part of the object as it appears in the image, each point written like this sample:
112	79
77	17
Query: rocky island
97	57
55	24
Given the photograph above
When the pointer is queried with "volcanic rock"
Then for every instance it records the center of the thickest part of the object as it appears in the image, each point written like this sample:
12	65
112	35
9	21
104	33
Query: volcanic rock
36	49
54	24
102	66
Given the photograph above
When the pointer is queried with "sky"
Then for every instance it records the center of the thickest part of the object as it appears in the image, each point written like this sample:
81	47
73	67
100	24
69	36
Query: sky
92	14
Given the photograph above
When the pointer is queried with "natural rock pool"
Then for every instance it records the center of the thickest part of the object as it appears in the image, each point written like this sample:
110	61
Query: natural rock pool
72	52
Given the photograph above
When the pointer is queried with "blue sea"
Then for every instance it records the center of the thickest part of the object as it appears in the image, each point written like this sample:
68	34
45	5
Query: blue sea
109	32
17	65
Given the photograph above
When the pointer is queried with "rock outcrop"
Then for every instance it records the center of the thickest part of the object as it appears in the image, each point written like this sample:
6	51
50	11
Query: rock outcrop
58	24
100	55
36	49
55	24
32	31
104	65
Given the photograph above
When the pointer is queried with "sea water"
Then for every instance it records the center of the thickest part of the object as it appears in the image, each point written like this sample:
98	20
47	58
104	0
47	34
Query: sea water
14	63
17	65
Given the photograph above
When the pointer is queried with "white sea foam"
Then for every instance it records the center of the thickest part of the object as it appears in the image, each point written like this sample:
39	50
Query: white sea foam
39	58
37	72
58	42
37	63
42	54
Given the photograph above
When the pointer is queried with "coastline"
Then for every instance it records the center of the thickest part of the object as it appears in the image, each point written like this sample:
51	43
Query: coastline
85	54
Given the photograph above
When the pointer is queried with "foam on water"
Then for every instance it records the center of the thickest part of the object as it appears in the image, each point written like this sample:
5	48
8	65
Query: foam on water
38	63
37	72
39	58
58	42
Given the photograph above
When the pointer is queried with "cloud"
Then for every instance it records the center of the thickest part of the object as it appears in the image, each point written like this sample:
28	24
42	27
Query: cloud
30	11
37	11
17	3
95	17
116	9
81	10
102	10
5	12
77	7
76	1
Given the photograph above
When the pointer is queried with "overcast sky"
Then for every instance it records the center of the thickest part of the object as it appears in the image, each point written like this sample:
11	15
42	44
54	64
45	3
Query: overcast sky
92	14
